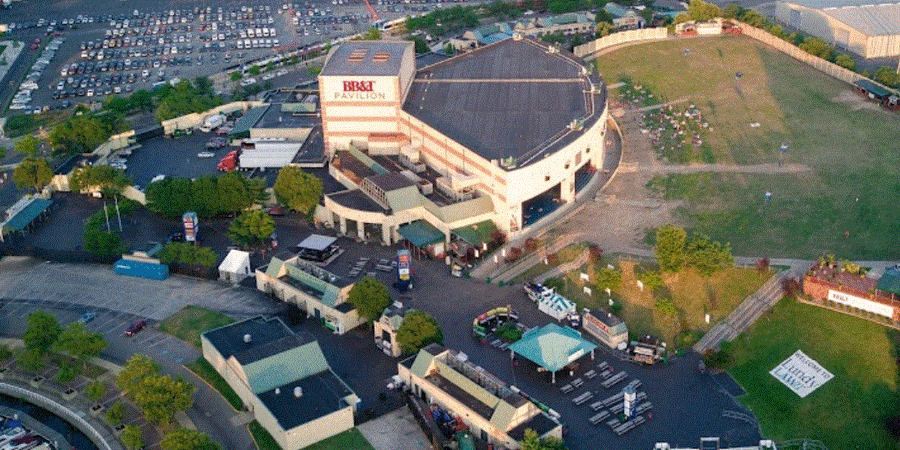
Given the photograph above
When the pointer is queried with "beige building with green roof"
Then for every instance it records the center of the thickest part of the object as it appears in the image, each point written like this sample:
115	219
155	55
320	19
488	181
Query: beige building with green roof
492	410
283	379
314	290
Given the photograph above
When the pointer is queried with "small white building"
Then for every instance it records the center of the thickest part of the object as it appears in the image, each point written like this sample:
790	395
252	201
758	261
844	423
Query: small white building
235	267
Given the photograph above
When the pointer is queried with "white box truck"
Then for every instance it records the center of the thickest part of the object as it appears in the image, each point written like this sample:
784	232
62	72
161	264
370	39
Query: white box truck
212	122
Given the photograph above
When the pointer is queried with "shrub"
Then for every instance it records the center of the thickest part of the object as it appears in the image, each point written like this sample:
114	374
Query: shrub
95	391
116	413
66	374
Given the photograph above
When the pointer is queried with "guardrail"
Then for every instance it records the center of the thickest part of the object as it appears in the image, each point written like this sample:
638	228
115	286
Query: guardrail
70	416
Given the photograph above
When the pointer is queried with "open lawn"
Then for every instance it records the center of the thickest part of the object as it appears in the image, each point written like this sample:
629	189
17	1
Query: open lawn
351	439
848	412
693	296
192	321
850	146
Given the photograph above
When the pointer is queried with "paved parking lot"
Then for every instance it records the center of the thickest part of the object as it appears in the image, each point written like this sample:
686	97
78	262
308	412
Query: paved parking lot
173	158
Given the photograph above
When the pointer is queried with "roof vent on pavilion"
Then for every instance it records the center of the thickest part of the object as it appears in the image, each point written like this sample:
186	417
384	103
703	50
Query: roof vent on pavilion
381	57
357	55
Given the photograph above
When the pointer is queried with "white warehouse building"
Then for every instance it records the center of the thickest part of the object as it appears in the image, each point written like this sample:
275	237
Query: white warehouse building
869	28
505	133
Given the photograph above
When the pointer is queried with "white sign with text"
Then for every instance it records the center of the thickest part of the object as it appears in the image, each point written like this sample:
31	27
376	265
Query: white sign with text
801	374
860	303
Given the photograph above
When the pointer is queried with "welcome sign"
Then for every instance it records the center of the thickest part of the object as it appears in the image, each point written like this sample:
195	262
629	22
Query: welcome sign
801	374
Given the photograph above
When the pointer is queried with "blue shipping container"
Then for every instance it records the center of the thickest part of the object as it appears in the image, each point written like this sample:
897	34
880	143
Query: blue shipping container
141	269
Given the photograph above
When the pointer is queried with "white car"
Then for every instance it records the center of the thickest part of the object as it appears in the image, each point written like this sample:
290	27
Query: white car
206	155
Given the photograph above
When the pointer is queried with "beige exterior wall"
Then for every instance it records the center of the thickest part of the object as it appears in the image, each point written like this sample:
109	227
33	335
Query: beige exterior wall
819	23
307	434
379	327
476	423
293	134
293	439
309	304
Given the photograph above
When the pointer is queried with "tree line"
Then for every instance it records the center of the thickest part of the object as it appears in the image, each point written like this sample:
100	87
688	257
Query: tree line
208	196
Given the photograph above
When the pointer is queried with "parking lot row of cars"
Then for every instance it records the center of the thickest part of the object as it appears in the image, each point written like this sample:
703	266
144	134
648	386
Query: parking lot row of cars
22	99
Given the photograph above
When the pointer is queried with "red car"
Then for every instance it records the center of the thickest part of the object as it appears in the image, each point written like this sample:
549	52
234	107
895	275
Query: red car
135	327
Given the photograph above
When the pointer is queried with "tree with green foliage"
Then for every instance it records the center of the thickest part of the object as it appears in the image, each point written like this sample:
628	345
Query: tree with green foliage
752	18
603	29
32	173
132	437
707	256
66	374
83	133
97	239
670	248
42	332
370	297
732	11
187	97
417	331
887	76
421	46
846	61
185	439
3	152
251	228
185	253
95	391
80	342
652	279
817	47
701	11
135	371
28	146
161	396
314	71
102	178
372	34
236	75
298	190
607	278
30	360
116	413
208	196
531	441
254	70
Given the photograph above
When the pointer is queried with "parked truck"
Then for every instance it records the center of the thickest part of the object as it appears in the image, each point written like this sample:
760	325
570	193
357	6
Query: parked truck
212	122
229	163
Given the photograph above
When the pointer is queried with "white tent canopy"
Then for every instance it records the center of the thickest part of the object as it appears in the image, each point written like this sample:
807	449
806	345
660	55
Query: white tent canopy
235	267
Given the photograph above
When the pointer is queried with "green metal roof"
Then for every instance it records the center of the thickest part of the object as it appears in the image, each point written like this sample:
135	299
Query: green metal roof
422	363
298	107
421	233
872	88
404	198
285	367
274	268
477	233
27	215
890	281
248	120
503	416
552	346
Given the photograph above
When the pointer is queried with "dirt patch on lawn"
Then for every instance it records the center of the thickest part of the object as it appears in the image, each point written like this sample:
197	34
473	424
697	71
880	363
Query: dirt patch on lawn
856	103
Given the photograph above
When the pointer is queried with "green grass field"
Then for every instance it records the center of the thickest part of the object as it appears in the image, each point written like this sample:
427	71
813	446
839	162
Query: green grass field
351	439
853	152
693	296
847	412
191	321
